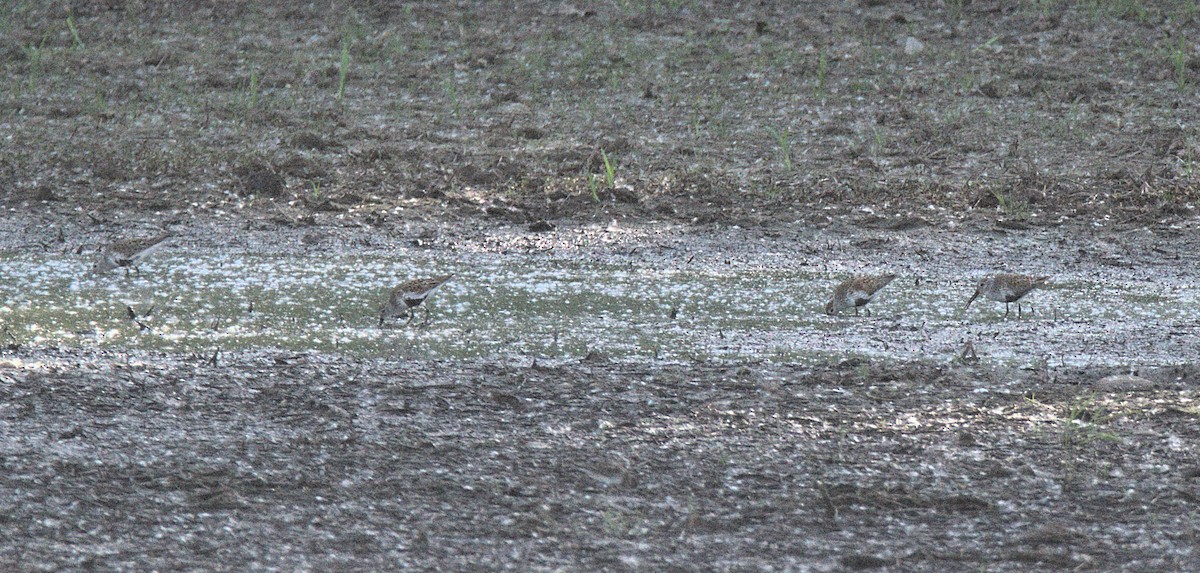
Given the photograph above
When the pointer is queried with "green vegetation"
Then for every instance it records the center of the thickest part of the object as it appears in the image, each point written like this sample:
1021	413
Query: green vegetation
1179	54
252	90
1010	207
34	55
1045	8
878	141
610	170
1083	431
1125	9
955	8
594	187
75	41
783	141
989	44
450	91
609	175
343	67
97	105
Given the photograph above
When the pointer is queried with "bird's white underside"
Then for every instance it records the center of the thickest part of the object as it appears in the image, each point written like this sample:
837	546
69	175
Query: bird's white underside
859	295
1001	294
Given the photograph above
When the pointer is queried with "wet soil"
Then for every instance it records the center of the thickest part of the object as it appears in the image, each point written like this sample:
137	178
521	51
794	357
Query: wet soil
635	291
939	141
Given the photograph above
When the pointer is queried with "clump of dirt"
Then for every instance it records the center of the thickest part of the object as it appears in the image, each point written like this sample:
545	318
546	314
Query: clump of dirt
258	179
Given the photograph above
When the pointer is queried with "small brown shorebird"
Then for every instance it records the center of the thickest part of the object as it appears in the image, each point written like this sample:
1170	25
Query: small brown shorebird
856	291
1007	288
406	297
127	253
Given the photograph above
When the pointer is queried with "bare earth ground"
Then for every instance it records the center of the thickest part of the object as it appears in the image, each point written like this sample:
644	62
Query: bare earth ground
381	122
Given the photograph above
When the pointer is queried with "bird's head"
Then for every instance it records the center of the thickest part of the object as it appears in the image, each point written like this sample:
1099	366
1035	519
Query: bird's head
101	264
978	290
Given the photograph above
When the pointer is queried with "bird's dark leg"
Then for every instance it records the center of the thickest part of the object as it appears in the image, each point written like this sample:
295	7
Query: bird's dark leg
1018	310
867	310
411	315
1006	310
856	311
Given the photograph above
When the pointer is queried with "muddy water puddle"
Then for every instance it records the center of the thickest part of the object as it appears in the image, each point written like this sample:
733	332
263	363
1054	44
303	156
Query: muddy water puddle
522	308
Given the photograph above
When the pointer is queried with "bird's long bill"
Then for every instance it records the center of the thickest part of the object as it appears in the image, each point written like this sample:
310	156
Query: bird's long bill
972	299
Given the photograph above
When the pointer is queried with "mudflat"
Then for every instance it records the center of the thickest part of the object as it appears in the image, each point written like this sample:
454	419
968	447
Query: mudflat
764	152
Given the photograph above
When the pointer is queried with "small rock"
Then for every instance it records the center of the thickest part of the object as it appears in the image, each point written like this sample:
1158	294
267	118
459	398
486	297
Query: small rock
540	226
513	214
624	194
861	562
907	223
312	238
45	193
1052	534
530	133
515	109
309	140
1123	383
913	46
506	401
595	357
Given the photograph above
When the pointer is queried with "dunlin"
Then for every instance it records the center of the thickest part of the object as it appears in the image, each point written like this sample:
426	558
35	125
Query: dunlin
1007	288
405	298
856	291
127	253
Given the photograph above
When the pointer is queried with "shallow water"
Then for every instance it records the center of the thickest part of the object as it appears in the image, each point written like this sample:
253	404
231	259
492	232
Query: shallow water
522	308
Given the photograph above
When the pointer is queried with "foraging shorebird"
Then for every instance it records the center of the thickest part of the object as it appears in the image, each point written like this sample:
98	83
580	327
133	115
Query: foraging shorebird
1007	288
405	298
127	253
856	291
